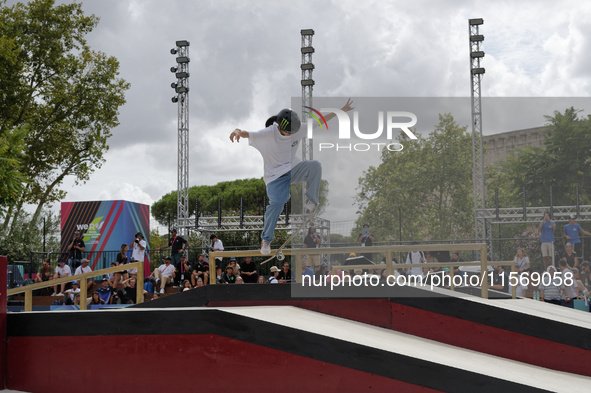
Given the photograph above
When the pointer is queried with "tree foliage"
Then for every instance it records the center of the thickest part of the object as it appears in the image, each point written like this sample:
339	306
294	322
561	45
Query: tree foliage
429	181
252	191
66	94
562	163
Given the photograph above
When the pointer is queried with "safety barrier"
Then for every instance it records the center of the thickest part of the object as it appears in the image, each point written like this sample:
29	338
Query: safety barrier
82	280
389	251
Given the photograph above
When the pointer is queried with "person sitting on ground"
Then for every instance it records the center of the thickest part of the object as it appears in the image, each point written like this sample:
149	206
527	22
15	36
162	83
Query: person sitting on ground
61	271
84	268
105	291
235	266
96	299
164	274
239	280
45	272
70	294
274	273
156	296
248	271
200	270
261	279
285	274
228	277
127	294
150	285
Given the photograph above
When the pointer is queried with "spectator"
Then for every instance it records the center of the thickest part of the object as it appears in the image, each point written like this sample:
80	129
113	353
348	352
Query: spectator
185	269
430	258
580	288
547	226
177	247
313	240
228	277
199	282
121	260
84	268
415	257
112	276
274	273
70	294
156	296
570	256
105	291
455	257
217	245
571	233
127	294
248	271
45	273
586	274
186	286
323	271
570	291
61	271
235	267
500	281
200	270
307	273
164	274
367	239
239	280
138	247
150	285
521	260
261	279
551	293
285	274
75	249
96	299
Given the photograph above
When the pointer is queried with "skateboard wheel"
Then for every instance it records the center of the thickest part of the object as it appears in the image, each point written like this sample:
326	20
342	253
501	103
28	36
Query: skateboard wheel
280	256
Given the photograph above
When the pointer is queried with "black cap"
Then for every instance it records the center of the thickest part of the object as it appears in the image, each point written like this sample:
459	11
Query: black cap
173	230
139	234
168	259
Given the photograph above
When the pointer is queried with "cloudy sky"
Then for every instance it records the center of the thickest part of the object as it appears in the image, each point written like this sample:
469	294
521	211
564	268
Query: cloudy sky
245	58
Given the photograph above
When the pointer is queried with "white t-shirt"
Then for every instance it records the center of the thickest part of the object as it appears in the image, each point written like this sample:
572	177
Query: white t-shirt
137	253
80	270
279	151
63	271
72	293
417	257
166	270
219	246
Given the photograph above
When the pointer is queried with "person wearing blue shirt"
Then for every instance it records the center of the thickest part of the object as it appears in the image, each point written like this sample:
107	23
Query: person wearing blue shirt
307	272
547	226
572	231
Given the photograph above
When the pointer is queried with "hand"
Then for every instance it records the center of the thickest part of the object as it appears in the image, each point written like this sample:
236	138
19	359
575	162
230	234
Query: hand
347	107
236	134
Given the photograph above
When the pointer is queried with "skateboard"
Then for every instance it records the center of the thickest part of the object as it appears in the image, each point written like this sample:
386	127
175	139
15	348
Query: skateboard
279	252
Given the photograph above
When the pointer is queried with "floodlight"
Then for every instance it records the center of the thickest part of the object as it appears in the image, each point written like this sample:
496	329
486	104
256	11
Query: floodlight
476	21
477	54
308	66
181	89
308	82
182	43
307	32
182	74
182	59
173	85
478	37
173	51
173	69
476	71
308	49
174	100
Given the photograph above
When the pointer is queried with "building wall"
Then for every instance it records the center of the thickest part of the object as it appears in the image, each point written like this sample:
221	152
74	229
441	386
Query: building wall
500	146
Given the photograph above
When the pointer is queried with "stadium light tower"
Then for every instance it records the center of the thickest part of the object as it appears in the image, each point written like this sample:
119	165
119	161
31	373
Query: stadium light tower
476	72
307	86
181	88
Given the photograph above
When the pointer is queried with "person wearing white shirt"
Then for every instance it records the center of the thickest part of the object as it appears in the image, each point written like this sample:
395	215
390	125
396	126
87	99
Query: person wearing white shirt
62	270
164	274
138	247
84	268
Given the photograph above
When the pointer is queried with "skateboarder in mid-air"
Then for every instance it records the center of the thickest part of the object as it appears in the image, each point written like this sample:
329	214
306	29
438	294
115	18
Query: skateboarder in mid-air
278	144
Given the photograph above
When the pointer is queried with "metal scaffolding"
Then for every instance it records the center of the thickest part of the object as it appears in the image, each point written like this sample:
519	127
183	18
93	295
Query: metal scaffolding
181	88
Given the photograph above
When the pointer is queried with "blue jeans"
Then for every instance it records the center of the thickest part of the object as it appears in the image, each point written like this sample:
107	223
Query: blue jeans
278	192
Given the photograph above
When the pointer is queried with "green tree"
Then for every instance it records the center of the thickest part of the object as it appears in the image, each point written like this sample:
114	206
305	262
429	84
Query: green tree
429	181
11	155
253	191
66	94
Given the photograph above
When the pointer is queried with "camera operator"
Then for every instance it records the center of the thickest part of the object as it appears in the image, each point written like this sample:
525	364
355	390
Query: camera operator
138	246
76	248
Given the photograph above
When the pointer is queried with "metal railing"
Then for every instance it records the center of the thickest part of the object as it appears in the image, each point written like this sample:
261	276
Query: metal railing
81	278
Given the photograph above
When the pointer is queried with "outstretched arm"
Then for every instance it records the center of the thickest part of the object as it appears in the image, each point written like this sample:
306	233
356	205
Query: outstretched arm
346	108
237	134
